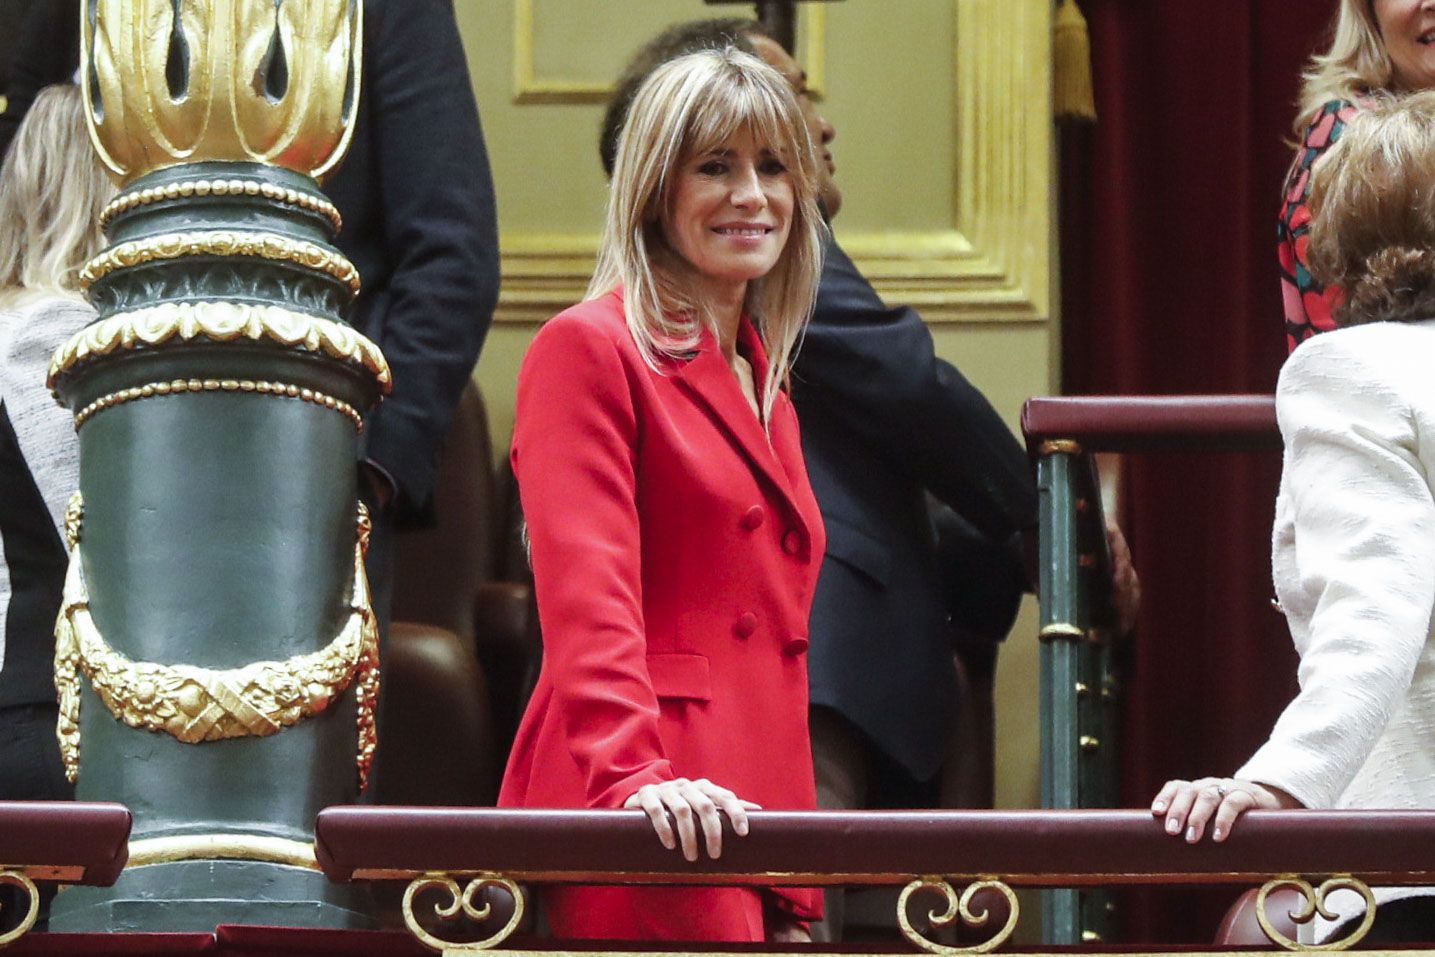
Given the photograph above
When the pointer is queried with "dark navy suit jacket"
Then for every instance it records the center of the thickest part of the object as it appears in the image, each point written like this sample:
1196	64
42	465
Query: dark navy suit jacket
884	423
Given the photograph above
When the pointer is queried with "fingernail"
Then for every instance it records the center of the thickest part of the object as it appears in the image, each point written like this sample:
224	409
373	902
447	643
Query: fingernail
1216	834
1172	826
1191	833
741	828
1158	807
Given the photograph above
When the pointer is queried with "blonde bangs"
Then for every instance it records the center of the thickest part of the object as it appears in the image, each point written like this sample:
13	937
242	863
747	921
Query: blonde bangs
688	106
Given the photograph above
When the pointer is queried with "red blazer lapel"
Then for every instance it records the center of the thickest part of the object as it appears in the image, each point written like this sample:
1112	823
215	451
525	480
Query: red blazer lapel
712	383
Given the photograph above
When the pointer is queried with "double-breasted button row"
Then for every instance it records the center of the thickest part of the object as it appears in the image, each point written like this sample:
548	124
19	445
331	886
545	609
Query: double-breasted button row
792	542
794	646
745	625
752	518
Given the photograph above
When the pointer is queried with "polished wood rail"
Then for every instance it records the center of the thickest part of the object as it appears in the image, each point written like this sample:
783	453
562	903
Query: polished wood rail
1154	423
1021	848
69	841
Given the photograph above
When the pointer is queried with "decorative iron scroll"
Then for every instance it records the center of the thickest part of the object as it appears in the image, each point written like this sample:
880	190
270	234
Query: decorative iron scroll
221	242
957	907
262	81
32	913
1313	903
195	705
462	901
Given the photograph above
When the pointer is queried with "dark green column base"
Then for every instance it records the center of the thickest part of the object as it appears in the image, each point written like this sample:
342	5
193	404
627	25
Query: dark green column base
198	896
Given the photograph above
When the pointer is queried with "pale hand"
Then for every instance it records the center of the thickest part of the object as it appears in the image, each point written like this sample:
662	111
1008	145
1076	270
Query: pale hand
694	806
1190	805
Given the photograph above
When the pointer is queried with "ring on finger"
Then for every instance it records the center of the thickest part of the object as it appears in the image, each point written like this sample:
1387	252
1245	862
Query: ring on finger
1222	791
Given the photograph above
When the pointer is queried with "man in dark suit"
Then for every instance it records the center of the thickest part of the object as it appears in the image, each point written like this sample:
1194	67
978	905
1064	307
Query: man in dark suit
887	429
416	196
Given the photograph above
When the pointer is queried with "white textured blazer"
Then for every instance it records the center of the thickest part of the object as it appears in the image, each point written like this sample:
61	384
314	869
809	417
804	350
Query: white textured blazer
1353	559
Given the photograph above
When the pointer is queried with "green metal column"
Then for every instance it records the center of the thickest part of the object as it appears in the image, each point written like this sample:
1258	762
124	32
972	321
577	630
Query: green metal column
1061	673
216	654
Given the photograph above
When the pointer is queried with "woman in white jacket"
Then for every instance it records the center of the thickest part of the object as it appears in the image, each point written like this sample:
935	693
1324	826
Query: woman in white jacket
1353	549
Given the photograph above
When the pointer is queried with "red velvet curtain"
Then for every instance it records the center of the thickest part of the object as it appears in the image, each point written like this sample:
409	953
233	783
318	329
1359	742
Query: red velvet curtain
1170	286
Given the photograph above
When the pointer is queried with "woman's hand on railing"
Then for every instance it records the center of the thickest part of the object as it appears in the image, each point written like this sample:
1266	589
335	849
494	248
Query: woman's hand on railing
686	800
1190	805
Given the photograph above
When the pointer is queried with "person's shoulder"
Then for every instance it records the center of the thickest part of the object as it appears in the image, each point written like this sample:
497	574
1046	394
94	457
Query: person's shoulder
1377	358
591	327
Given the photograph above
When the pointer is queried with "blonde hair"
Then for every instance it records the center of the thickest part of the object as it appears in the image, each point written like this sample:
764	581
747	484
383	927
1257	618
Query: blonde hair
52	190
686	107
1355	64
1372	203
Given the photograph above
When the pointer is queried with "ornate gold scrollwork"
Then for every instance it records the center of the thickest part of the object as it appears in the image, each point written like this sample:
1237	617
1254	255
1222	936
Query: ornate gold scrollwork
231	80
32	912
1314	902
462	901
219	322
957	907
221	242
194	704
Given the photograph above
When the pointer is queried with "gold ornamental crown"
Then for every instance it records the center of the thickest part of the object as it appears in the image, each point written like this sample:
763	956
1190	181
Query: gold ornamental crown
169	82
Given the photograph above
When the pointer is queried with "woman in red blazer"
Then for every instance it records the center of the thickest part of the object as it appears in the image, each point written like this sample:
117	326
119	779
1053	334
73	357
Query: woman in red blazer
675	539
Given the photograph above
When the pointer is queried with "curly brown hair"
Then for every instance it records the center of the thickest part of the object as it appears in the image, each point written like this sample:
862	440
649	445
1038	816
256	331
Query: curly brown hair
1372	205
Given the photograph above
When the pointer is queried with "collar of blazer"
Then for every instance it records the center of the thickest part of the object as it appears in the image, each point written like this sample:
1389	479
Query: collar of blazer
708	377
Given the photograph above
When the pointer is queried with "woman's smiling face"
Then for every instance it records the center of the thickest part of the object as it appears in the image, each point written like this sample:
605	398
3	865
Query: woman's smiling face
730	211
1408	29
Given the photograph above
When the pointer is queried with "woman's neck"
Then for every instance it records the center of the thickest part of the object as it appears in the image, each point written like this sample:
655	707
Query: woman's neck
723	302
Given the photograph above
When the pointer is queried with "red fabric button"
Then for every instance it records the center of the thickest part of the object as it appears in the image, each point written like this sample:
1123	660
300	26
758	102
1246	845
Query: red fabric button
752	518
792	543
794	646
745	625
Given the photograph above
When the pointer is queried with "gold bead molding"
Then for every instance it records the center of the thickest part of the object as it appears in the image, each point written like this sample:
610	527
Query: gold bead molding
195	705
219	322
221	242
180	386
223	187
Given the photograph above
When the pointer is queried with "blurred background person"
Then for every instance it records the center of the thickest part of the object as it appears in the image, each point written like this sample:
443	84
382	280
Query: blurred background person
52	190
1353	555
675	538
1377	47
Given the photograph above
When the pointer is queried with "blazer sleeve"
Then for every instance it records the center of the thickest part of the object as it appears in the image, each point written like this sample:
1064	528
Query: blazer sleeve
875	369
1364	526
440	233
574	448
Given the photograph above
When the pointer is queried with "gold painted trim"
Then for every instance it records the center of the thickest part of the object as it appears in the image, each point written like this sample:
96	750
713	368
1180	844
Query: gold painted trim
1059	447
20	880
221	242
957	907
529	88
1314	902
461	901
138	125
219	322
1061	629
222	847
195	705
223	187
180	386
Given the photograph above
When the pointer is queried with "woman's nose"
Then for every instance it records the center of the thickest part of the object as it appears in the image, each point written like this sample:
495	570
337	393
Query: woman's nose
827	133
747	189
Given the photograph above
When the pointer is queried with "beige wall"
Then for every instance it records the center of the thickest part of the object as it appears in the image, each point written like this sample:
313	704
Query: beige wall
944	154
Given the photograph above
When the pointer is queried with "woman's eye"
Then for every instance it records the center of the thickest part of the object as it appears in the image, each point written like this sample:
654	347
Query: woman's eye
772	167
712	168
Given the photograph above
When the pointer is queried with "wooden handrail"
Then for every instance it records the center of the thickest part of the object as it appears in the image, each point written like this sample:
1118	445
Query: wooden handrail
1022	848
1225	423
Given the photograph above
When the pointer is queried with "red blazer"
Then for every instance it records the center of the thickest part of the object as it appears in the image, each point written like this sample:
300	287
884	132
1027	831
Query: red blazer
675	553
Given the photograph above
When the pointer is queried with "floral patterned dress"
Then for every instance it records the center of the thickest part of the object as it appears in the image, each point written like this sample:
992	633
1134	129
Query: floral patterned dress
1309	306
